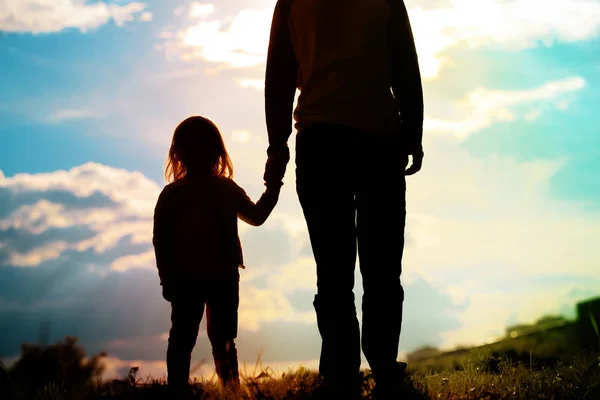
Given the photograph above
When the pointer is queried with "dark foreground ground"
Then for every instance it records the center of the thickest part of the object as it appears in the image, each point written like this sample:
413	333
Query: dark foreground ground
487	378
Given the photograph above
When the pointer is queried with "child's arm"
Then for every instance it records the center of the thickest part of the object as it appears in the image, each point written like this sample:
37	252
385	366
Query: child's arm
161	236
257	214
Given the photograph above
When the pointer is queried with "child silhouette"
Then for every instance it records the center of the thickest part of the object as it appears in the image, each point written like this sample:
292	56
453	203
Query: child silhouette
197	247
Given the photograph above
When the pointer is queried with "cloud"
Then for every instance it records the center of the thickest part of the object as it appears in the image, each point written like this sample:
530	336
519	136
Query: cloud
507	24
483	107
72	114
295	276
77	300
146	16
256	84
39	16
91	209
240	136
198	10
238	46
269	246
141	260
438	27
239	43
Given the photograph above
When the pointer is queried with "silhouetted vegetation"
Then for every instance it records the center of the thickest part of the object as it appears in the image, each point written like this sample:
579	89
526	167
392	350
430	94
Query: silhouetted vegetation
486	377
63	365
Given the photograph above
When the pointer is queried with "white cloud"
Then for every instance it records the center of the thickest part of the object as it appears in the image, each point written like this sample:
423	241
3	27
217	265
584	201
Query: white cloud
257	84
109	204
72	114
179	11
533	115
483	107
241	45
267	305
241	42
44	16
38	255
146	16
513	25
298	275
36	218
562	105
198	10
240	136
142	260
132	189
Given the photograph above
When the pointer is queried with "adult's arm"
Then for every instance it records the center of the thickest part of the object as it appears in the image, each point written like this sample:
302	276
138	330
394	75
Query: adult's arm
406	76
280	89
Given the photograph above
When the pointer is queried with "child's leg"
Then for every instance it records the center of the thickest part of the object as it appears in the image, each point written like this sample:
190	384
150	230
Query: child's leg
222	319
185	321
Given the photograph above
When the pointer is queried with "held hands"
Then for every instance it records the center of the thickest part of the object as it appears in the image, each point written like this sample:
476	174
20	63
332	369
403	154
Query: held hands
277	160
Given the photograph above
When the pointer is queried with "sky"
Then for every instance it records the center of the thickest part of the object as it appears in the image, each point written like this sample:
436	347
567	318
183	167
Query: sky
502	222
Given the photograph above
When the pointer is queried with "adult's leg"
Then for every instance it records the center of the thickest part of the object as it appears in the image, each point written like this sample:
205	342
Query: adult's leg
381	215
222	304
186	314
324	186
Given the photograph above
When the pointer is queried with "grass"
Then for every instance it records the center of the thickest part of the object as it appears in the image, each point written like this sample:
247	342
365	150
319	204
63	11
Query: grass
492	378
483	378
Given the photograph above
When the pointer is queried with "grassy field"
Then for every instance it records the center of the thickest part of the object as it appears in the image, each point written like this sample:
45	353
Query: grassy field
485	377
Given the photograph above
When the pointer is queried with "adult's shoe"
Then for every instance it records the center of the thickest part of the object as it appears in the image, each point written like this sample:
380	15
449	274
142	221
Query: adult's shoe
389	382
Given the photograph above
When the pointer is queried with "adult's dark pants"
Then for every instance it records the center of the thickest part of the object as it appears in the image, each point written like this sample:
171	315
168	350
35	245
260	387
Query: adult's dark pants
351	187
188	300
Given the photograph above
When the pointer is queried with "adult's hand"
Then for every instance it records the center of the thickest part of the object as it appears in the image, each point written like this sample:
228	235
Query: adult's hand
168	291
277	160
417	163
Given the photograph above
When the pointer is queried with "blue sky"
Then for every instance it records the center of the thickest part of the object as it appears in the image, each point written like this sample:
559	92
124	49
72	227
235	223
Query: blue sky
501	221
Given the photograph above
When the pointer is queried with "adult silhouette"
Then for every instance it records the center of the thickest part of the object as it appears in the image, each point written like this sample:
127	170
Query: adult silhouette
359	117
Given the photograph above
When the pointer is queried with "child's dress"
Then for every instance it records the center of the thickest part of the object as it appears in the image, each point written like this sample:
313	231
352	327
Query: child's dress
198	255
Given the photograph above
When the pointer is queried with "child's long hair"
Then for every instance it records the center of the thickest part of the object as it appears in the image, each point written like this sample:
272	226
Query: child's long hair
197	148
